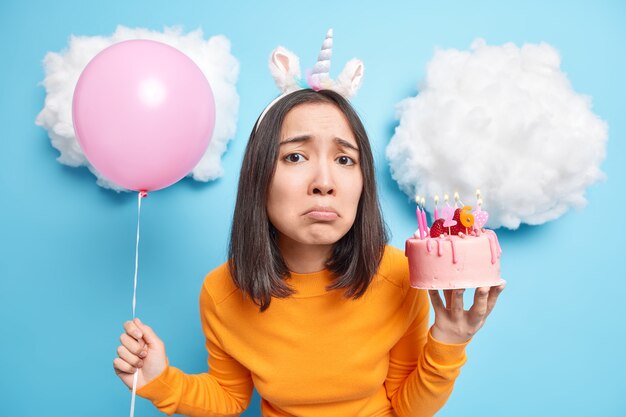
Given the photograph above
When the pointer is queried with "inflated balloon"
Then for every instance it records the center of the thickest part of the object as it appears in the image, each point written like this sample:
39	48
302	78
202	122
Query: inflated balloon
143	114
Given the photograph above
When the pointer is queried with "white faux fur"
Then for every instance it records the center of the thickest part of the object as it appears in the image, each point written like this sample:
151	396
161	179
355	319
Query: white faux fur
285	69
350	79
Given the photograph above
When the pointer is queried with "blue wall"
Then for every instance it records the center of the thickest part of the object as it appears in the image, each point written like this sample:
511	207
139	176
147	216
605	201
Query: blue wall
553	346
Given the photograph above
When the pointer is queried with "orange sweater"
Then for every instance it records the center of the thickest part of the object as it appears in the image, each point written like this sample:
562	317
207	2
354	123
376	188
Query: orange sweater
316	353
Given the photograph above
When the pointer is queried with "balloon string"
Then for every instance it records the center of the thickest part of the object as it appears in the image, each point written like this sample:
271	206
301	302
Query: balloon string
141	195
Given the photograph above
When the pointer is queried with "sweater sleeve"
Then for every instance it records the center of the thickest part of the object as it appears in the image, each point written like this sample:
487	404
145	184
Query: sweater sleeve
422	370
225	390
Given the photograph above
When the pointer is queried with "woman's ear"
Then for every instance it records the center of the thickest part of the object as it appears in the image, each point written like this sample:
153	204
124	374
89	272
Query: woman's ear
285	69
350	79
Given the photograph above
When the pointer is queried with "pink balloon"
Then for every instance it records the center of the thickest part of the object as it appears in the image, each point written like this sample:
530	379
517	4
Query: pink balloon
143	114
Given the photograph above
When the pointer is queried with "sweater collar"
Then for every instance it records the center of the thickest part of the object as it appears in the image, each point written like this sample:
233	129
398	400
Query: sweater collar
310	284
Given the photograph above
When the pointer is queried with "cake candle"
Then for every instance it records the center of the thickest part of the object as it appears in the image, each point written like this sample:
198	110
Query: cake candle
418	214
480	216
467	218
436	214
448	213
457	199
424	218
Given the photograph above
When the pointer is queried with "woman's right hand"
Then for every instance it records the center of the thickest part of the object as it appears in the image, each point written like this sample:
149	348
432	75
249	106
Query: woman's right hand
141	349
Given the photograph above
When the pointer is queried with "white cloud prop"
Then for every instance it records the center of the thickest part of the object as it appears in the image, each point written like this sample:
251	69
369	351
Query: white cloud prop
212	56
503	119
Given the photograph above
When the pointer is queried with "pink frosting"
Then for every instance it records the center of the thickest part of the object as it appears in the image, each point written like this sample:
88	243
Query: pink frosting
459	262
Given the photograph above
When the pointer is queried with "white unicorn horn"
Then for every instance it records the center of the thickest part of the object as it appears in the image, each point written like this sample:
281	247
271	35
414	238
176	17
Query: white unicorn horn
320	77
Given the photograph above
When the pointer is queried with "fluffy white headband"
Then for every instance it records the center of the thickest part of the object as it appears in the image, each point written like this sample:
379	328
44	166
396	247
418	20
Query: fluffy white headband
285	68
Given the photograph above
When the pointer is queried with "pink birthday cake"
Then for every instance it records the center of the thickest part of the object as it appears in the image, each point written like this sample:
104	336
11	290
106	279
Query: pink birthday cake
460	254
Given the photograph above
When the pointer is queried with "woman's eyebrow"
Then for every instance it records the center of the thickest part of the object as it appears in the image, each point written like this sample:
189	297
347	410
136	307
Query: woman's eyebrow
306	138
296	139
344	143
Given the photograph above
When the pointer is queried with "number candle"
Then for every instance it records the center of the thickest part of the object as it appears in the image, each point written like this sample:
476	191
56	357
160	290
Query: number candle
448	213
467	219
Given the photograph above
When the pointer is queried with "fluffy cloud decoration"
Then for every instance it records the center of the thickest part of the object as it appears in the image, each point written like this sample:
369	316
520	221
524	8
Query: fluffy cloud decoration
503	119
212	56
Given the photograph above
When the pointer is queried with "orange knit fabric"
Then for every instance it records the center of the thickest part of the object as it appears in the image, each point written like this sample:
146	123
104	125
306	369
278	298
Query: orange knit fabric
316	353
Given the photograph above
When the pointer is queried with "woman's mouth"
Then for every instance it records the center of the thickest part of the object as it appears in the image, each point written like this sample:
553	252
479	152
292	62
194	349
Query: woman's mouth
322	213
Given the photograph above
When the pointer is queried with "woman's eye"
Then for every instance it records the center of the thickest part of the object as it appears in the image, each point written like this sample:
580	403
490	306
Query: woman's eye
345	160
294	157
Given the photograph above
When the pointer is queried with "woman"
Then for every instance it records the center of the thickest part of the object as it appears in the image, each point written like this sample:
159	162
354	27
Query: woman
313	308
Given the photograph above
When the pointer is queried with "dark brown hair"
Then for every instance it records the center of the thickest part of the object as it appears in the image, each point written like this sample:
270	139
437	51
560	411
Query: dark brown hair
255	261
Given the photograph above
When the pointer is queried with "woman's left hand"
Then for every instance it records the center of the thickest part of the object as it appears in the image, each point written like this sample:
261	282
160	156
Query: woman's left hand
455	325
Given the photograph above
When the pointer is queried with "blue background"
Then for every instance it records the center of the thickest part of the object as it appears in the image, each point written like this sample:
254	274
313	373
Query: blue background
554	345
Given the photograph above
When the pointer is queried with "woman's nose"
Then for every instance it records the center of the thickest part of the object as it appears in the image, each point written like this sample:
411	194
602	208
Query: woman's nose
322	182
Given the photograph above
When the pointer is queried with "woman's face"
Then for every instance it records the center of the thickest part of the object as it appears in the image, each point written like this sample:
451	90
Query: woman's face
315	191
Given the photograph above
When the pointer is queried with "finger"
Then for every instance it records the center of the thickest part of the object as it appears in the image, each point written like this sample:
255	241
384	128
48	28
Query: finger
494	292
123	367
129	357
456	306
478	311
148	334
137	347
132	330
448	295
435	300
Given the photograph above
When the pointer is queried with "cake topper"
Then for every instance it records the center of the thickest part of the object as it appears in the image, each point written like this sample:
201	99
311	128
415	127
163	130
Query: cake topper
458	219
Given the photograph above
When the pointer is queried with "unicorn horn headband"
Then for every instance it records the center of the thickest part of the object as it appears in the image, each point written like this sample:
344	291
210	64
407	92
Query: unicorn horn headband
285	69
